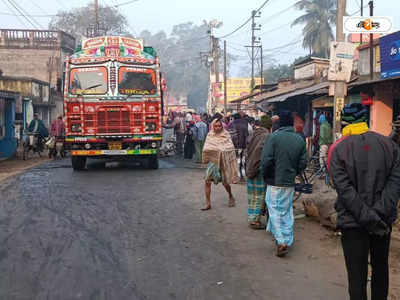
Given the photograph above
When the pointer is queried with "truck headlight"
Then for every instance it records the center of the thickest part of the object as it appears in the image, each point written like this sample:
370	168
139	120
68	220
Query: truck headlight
76	128
154	145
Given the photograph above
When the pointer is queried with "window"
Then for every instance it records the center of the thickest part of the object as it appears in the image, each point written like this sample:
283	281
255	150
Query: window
88	81
137	81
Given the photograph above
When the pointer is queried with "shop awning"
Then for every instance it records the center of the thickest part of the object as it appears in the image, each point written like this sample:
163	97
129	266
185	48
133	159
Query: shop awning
308	90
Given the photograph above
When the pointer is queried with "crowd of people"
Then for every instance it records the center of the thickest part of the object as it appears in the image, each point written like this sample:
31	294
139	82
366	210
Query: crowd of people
364	167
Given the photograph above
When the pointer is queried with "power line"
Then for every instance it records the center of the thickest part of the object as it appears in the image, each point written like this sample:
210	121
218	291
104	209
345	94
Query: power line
278	13
245	23
19	10
18	17
126	3
283	46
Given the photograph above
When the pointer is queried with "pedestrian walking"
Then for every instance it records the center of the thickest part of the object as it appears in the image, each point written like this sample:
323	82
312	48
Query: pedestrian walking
325	140
219	153
239	131
256	186
179	130
365	170
189	141
199	131
283	157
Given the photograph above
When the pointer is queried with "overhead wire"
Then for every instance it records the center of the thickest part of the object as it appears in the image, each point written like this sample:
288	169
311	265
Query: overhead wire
23	14
246	22
18	17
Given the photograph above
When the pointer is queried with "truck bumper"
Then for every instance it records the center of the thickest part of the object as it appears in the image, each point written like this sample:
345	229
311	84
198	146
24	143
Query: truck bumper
113	152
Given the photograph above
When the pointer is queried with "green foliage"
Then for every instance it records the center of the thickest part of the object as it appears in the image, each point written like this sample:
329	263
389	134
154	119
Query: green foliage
319	16
275	71
78	20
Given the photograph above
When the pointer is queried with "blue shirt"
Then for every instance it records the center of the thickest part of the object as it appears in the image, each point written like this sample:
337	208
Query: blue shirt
200	131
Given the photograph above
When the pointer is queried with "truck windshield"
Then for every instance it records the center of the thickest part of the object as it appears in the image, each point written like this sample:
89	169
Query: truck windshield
91	81
137	81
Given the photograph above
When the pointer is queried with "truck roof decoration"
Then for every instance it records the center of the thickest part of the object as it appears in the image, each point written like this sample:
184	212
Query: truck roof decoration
113	46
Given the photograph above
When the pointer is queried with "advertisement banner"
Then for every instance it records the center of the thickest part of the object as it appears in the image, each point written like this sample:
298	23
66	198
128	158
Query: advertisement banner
367	24
341	61
390	55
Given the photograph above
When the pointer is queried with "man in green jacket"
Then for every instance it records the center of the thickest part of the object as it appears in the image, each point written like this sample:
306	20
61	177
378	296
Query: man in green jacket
325	140
283	157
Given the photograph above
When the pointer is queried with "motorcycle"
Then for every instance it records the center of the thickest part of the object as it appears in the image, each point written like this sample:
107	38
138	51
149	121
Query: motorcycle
33	143
56	147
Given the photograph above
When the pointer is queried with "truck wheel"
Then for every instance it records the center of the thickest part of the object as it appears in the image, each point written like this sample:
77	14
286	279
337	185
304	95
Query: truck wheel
152	162
78	162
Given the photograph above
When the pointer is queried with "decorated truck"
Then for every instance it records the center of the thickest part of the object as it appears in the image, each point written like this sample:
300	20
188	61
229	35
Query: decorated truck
113	101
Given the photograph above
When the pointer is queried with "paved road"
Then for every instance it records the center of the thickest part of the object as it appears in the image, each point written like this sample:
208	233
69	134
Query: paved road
127	233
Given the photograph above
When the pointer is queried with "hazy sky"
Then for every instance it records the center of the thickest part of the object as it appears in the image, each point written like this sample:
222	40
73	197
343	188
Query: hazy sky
156	15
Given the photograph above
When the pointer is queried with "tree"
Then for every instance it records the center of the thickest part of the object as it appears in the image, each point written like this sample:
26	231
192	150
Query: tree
319	16
78	20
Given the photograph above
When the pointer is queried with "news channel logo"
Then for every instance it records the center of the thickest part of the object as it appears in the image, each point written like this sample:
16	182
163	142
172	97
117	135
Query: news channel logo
367	24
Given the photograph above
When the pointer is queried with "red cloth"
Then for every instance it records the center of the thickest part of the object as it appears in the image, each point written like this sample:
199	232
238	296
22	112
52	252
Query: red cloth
57	128
298	124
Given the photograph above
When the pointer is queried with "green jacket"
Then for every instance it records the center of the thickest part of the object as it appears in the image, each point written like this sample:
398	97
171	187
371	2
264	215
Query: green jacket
325	134
283	157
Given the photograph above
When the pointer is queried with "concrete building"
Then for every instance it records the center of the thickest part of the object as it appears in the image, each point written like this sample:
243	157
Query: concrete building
37	55
8	140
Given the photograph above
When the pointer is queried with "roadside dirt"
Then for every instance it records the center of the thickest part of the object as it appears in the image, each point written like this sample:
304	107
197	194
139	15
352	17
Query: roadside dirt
15	166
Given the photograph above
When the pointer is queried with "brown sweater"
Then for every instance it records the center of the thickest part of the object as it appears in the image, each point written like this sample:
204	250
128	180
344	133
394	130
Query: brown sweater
254	150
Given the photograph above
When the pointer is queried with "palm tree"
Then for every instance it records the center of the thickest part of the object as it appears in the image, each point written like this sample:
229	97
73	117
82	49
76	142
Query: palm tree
318	18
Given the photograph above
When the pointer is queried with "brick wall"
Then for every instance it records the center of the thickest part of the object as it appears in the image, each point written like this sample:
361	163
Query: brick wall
30	63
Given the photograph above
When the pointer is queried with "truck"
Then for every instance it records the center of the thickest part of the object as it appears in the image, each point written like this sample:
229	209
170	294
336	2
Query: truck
113	101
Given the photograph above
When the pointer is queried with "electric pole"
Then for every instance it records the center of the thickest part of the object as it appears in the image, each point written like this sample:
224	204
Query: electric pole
362	13
340	86
225	82
96	16
254	41
371	44
262	69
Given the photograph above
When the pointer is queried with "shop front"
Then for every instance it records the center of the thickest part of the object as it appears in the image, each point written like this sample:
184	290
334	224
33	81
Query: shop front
8	141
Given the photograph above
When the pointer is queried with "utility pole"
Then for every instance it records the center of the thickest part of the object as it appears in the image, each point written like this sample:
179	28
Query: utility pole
225	82
96	17
216	58
340	86
253	26
362	13
262	69
371	44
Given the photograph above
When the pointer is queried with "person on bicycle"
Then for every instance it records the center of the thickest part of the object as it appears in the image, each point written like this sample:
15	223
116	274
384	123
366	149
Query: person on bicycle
37	126
365	170
58	128
325	140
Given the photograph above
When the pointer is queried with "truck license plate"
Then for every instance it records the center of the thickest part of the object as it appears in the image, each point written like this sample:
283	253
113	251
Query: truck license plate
114	146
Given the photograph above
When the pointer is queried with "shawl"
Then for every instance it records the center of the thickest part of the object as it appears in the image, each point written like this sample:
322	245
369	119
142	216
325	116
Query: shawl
219	150
254	150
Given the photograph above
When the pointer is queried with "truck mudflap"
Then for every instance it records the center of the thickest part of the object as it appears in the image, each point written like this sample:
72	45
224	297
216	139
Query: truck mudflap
113	152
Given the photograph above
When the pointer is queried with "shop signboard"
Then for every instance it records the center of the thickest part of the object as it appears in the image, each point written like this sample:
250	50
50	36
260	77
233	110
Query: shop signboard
341	61
390	55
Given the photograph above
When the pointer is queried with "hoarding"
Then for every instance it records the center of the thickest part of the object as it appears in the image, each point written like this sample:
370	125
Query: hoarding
341	61
390	55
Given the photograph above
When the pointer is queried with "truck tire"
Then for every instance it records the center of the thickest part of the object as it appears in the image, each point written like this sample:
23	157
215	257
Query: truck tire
152	162
78	162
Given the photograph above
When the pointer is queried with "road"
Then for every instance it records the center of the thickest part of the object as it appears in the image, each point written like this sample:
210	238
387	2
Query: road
122	232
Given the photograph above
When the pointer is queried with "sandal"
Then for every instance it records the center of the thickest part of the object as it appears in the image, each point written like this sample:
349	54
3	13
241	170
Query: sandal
282	250
256	225
208	207
232	202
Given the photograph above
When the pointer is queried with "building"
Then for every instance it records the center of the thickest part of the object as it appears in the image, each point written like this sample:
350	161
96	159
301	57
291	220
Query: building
37	55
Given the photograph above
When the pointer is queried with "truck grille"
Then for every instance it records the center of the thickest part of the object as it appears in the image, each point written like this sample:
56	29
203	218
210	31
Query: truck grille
113	121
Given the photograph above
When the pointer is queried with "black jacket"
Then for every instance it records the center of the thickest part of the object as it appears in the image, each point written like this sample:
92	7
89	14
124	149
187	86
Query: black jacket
365	170
239	130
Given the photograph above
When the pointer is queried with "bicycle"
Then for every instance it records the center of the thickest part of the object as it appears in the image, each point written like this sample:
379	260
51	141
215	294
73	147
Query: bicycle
304	181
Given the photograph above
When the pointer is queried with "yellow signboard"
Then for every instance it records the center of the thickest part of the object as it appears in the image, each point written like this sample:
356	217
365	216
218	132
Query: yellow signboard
236	88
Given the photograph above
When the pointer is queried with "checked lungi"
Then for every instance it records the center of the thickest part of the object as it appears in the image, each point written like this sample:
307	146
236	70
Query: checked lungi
256	198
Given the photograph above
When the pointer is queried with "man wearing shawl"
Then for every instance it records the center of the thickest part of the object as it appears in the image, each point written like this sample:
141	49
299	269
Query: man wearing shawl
283	157
255	182
219	153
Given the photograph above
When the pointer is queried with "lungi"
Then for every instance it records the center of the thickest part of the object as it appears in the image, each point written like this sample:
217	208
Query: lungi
256	198
279	201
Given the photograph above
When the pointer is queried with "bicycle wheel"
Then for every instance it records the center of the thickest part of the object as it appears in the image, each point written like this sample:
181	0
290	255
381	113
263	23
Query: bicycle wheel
299	180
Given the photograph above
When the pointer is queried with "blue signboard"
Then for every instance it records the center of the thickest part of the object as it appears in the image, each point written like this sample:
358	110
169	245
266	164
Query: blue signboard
390	55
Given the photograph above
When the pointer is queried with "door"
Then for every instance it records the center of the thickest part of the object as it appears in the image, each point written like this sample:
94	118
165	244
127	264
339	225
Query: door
8	142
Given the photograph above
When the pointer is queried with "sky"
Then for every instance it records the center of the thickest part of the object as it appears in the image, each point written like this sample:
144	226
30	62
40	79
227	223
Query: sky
156	15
